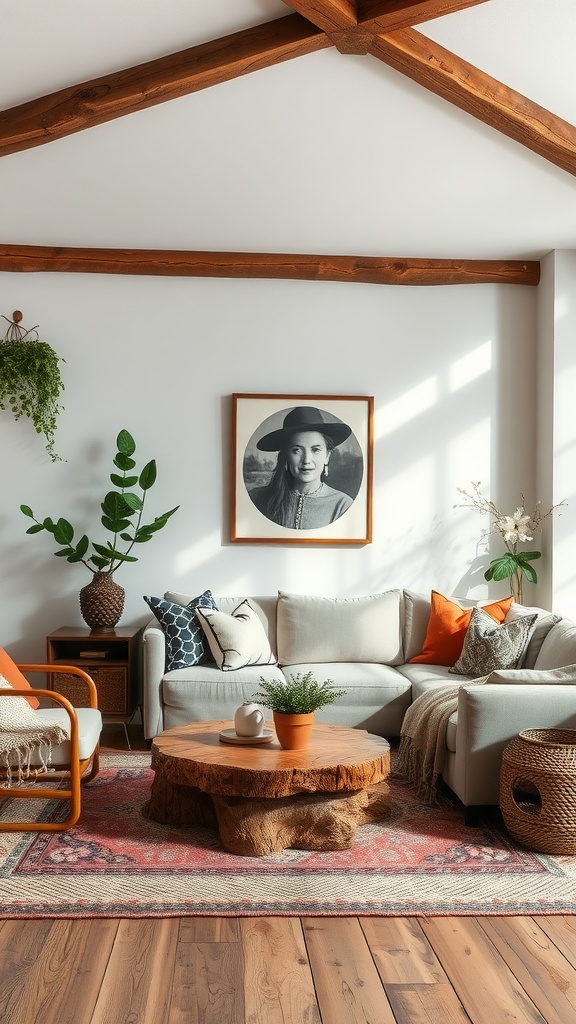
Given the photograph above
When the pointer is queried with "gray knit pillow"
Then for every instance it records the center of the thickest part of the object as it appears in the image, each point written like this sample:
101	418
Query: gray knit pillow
489	646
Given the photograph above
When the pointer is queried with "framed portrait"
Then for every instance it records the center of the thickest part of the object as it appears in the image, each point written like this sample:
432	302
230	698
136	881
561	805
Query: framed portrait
302	469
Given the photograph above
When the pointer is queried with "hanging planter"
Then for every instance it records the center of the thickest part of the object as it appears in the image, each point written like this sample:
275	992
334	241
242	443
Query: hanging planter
30	382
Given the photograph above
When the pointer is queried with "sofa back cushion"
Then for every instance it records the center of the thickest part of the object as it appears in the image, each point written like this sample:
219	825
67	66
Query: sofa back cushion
316	630
559	646
544	622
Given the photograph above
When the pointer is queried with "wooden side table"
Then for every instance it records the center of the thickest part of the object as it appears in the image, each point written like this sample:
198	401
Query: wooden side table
113	661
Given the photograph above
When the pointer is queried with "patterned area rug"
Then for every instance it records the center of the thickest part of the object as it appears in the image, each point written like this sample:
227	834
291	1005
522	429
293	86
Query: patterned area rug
420	861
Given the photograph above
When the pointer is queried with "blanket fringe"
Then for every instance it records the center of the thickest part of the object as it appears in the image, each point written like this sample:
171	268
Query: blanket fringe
19	749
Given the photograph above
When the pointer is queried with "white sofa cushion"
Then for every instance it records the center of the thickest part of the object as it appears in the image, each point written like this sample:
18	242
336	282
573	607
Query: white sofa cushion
325	629
544	622
559	647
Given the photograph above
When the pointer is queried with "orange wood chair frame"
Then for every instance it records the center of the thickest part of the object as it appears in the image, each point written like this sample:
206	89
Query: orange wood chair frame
75	770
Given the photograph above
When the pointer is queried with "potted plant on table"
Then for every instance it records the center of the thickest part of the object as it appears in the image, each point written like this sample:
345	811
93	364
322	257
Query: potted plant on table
102	600
293	704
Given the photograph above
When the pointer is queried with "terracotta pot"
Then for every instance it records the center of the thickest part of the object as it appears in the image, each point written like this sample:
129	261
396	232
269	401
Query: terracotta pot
293	731
102	603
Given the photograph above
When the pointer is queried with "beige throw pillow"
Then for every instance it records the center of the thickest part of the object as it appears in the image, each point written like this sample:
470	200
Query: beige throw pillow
489	646
316	630
236	640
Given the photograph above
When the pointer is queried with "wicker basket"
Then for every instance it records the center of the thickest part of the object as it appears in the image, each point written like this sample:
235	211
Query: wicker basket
538	789
111	683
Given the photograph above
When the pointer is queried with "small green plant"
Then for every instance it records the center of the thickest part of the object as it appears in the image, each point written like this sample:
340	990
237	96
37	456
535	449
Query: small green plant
122	511
300	695
30	382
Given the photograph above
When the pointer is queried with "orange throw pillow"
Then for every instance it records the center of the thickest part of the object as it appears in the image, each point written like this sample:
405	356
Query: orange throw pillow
447	628
14	676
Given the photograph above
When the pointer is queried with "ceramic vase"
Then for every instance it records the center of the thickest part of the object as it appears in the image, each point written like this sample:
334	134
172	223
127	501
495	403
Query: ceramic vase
293	731
249	720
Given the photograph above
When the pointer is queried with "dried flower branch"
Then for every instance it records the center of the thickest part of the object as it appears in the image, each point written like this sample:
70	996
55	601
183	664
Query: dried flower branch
516	529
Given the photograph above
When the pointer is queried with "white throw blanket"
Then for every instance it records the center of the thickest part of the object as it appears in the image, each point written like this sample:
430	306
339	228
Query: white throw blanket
422	751
25	740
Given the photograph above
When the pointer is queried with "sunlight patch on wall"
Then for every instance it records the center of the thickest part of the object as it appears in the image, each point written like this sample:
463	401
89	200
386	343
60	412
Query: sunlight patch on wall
195	555
470	366
405	407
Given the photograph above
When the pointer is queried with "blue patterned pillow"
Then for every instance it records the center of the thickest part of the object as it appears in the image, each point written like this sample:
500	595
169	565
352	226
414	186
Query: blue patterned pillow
184	635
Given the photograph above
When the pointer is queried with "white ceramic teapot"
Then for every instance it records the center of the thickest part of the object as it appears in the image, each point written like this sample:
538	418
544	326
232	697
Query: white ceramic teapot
249	720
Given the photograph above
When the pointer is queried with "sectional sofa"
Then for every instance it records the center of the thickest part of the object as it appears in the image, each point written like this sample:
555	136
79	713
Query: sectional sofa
366	646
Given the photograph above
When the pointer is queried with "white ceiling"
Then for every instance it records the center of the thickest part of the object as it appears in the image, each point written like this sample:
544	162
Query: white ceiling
326	153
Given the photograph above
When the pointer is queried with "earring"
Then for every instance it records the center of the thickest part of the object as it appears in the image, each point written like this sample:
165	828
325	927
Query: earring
325	469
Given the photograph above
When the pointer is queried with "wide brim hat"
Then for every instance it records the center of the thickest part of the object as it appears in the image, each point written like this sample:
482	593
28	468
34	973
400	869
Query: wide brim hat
303	417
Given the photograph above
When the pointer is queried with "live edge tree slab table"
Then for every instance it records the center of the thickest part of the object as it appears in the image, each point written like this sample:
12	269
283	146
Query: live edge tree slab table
263	799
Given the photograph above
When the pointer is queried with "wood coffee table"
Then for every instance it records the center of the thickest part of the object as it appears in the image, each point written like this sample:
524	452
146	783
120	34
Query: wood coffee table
263	799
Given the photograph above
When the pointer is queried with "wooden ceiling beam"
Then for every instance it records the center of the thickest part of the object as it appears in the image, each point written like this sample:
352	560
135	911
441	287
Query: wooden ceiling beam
283	266
486	99
389	15
329	15
102	99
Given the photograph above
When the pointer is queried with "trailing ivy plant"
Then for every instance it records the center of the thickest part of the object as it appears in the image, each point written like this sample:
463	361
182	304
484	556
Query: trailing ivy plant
122	512
30	382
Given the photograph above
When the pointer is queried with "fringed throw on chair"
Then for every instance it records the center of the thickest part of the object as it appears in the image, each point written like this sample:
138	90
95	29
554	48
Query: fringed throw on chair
25	742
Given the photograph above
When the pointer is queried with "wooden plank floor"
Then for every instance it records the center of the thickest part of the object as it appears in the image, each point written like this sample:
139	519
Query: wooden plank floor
265	970
269	970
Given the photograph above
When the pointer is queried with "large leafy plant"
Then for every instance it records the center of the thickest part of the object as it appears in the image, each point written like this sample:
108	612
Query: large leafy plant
122	514
30	382
300	695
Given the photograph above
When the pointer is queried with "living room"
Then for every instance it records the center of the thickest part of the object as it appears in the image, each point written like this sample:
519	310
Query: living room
327	153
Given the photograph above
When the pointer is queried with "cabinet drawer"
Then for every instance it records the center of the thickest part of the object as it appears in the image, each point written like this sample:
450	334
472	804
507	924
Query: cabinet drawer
111	683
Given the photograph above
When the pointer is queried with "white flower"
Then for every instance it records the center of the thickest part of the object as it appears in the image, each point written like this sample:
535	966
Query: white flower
515	528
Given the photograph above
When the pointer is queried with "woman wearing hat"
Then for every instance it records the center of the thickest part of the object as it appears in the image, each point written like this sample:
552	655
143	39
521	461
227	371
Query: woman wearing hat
297	496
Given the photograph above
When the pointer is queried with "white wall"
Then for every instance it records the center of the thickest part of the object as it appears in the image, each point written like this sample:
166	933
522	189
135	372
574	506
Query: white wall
557	423
162	356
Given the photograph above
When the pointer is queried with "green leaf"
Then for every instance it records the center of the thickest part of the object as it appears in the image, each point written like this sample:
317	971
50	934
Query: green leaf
120	557
27	511
82	547
501	568
133	501
115	525
63	532
35	529
117	506
123	462
123	481
106	552
64	552
148	476
125	443
530	573
528	556
48	524
100	563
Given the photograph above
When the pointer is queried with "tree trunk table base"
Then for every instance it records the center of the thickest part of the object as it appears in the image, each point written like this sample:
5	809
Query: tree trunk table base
199	781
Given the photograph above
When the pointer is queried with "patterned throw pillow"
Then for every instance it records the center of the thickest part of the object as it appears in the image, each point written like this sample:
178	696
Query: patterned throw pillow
184	635
489	646
236	640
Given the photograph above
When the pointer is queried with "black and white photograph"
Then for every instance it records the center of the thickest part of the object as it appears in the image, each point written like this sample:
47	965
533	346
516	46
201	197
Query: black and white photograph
302	468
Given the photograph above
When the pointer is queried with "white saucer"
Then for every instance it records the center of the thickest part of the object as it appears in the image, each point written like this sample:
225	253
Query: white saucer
231	736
